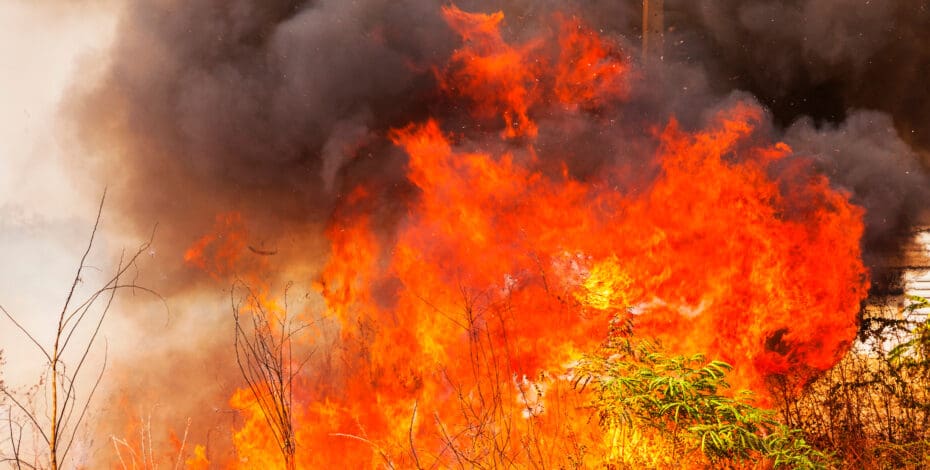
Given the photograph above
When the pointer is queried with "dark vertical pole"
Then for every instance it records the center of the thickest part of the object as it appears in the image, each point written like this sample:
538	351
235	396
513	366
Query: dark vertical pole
653	29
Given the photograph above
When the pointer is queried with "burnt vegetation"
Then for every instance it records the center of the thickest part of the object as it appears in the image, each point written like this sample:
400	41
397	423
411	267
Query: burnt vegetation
873	408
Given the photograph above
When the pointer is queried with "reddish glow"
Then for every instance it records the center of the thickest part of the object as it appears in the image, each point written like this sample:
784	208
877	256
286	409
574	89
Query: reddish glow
500	79
455	330
219	252
503	80
589	69
199	460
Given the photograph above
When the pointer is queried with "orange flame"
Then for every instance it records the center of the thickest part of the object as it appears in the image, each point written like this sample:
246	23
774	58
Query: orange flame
589	70
501	270
199	460
504	80
498	77
456	330
219	252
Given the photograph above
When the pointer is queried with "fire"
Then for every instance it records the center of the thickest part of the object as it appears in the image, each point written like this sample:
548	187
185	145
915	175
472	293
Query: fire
494	75
199	460
456	330
219	252
499	79
589	71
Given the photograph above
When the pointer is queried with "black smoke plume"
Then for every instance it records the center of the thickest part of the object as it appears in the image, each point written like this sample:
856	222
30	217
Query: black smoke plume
276	108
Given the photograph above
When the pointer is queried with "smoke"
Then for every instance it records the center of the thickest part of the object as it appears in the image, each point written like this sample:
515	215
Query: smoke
814	57
865	156
269	108
252	106
278	108
842	76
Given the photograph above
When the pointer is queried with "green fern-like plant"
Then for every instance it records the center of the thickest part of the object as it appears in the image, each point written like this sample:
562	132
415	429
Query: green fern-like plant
680	399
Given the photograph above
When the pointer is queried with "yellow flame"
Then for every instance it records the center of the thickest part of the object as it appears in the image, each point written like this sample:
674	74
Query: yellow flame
606	286
199	460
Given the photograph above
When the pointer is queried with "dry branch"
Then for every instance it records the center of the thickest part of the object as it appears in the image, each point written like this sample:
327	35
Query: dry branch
57	429
265	356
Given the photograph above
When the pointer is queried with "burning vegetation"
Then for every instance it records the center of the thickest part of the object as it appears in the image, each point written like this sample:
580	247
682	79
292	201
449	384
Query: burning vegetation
516	239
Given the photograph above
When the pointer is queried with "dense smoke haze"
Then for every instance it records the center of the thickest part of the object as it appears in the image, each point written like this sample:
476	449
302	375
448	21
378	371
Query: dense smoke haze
845	78
269	108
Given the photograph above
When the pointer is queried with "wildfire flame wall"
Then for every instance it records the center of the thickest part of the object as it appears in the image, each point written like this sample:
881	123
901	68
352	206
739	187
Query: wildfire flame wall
520	171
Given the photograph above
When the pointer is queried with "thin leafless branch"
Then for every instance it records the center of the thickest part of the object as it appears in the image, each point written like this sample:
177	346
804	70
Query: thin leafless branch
264	347
65	409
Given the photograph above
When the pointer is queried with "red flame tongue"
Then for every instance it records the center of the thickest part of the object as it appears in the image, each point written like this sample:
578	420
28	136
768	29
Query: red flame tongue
715	258
501	271
757	266
501	80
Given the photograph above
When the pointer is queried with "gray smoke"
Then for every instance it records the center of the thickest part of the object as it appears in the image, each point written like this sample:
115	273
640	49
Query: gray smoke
818	65
814	57
276	108
865	156
211	106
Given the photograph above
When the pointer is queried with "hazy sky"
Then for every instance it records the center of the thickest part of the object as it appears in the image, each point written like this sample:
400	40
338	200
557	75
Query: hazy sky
44	222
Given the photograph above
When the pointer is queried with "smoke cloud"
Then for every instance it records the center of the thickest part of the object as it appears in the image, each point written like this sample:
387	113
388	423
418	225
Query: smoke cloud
841	76
278	108
271	108
260	107
865	156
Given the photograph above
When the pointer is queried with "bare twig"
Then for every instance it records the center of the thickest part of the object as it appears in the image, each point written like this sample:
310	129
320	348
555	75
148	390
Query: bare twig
387	460
177	463
264	354
413	448
58	429
26	333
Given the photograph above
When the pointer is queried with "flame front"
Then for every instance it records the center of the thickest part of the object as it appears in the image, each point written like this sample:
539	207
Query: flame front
457	328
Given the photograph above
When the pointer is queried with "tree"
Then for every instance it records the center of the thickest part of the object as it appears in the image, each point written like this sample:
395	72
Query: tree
67	356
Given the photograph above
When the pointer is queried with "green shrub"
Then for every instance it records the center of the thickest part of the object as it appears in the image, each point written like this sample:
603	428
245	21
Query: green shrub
680	401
